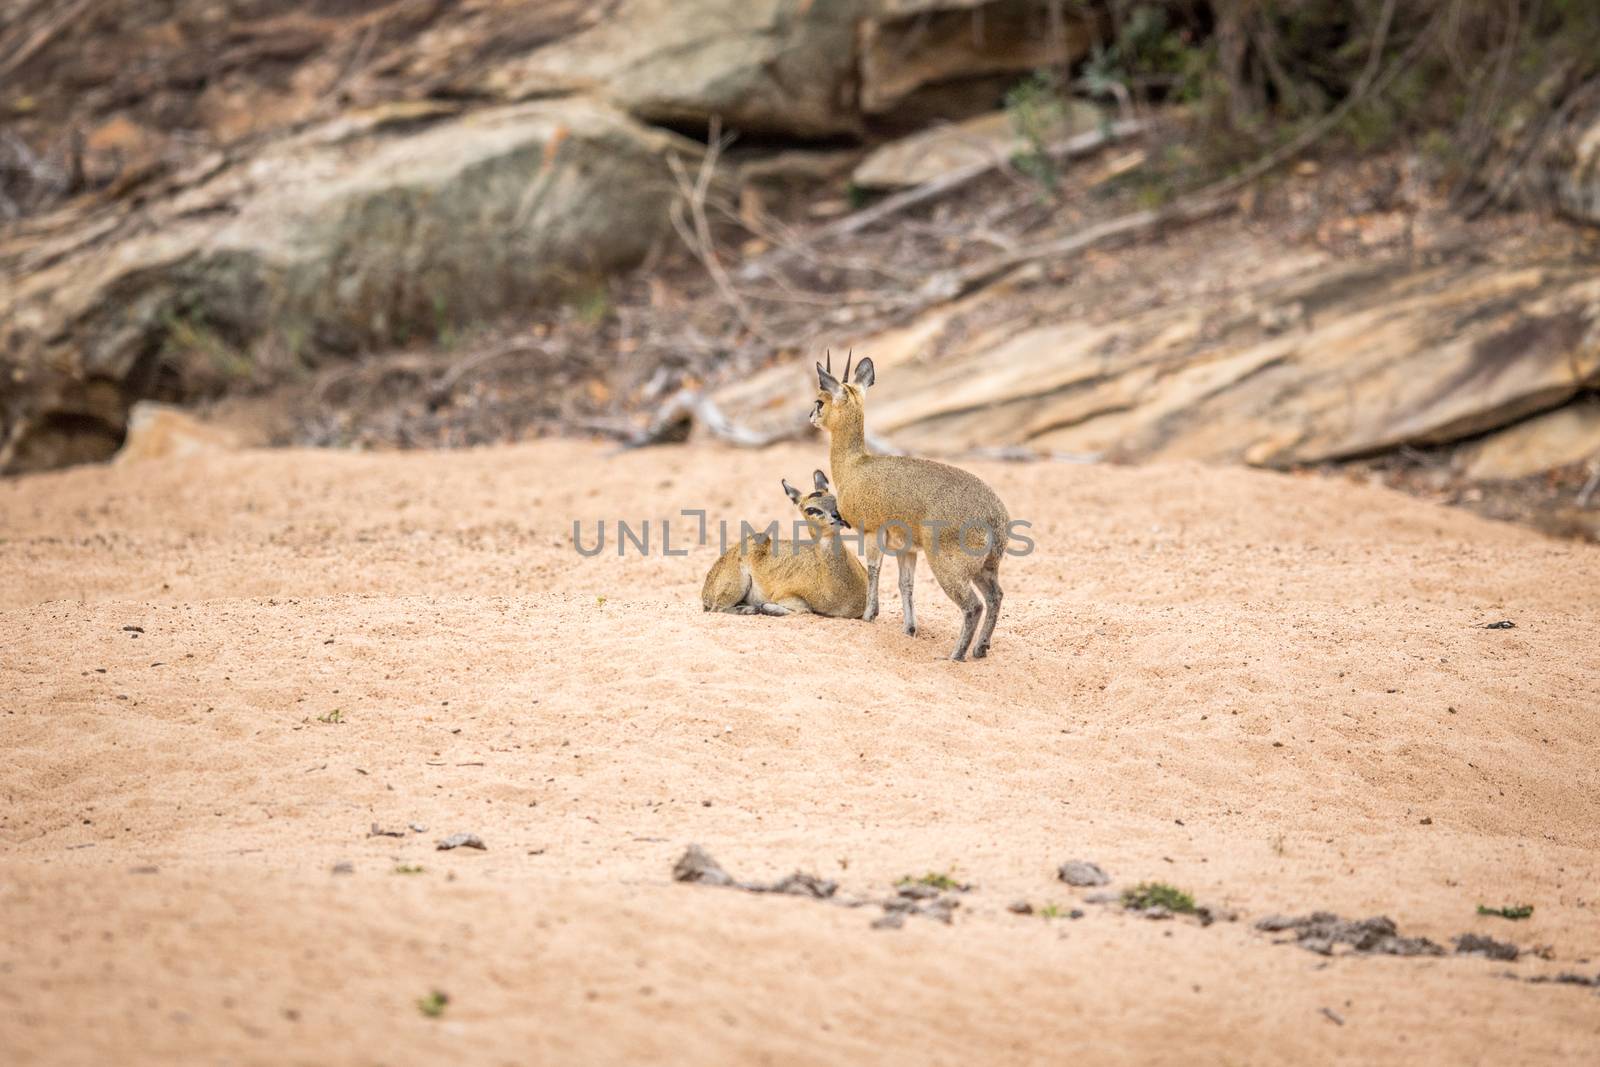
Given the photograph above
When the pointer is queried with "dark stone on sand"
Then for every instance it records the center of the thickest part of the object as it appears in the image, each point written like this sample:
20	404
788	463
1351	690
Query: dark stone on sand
1082	873
696	865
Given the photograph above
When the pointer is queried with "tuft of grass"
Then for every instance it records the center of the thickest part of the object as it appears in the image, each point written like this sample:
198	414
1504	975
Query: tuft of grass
600	601
433	1004
407	868
1051	911
937	879
1517	911
334	717
1158	895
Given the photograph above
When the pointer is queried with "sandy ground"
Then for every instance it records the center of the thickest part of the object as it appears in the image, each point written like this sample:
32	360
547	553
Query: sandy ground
1274	692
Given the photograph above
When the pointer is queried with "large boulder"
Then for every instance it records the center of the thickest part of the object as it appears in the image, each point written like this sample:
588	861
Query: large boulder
767	66
817	68
375	229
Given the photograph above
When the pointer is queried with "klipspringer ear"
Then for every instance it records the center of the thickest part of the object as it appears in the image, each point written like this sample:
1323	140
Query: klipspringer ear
794	494
819	480
864	375
827	381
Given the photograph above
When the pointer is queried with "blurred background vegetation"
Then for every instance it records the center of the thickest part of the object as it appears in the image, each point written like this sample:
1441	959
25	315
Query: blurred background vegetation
406	223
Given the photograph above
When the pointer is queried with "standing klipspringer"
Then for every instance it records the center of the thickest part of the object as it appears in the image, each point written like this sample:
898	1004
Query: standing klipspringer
910	506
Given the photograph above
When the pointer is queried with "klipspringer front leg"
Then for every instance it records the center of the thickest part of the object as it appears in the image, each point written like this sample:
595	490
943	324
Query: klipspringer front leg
908	575
874	565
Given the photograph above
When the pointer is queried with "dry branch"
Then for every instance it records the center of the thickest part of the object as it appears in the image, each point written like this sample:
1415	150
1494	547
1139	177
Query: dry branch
42	36
1081	145
698	236
1589	487
948	285
694	407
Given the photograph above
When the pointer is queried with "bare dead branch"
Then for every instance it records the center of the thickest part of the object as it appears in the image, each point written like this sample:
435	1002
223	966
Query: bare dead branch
1081	145
42	36
698	235
947	285
694	407
1589	487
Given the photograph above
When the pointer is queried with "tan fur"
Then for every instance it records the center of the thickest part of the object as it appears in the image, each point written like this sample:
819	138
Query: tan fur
785	577
920	507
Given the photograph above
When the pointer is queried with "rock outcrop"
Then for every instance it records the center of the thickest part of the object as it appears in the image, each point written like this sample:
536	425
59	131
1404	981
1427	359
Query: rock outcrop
766	66
811	69
376	229
1336	363
256	191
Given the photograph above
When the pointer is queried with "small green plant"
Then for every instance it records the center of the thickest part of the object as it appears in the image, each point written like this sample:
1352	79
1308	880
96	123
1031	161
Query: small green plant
600	601
936	879
1037	112
433	1004
444	330
1158	895
1518	911
593	304
1149	50
334	717
407	868
1051	911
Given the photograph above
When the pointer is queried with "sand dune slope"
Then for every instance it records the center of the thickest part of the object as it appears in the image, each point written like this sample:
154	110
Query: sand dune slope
1276	693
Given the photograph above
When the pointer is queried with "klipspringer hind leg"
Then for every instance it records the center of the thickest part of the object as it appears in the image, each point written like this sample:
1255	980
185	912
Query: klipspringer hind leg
955	578
988	583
